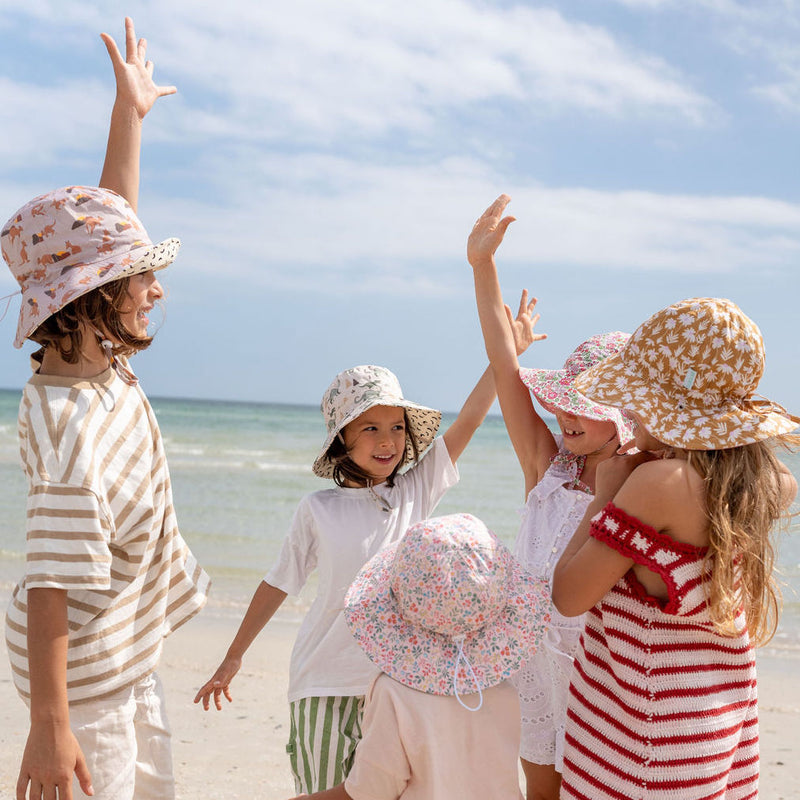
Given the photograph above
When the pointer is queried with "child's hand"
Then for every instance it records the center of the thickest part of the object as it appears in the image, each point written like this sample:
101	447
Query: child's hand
219	683
522	327
613	472
488	232
134	74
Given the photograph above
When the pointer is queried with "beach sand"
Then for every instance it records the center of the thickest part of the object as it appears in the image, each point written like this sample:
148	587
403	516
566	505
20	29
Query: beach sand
239	751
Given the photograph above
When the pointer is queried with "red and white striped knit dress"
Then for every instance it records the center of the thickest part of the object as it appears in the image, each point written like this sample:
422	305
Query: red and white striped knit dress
662	706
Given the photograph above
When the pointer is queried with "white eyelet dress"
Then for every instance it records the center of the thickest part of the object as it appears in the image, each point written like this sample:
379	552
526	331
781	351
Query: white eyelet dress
552	513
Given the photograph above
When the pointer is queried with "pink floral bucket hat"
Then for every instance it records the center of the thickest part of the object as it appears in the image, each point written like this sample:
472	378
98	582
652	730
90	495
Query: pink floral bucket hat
555	388
358	389
63	244
447	610
689	372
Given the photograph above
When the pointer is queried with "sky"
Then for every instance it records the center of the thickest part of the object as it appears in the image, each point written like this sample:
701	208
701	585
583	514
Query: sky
323	163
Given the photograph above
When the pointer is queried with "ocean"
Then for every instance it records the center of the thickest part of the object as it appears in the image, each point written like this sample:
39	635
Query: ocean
239	469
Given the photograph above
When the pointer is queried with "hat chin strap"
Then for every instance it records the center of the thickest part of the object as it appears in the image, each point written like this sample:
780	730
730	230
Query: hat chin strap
460	656
108	348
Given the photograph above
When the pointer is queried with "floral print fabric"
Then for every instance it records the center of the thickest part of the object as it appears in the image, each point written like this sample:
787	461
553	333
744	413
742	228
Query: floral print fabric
689	372
447	609
555	388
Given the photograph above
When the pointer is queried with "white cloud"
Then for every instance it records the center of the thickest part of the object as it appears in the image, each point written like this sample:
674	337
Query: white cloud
403	230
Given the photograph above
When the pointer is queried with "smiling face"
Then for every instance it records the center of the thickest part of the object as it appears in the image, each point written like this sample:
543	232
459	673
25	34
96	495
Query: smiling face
143	292
376	441
582	435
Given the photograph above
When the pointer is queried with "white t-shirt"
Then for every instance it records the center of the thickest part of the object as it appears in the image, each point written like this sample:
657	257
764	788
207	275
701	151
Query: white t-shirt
418	746
336	531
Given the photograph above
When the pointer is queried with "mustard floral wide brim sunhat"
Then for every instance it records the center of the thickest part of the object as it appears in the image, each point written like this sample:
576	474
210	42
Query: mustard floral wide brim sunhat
690	373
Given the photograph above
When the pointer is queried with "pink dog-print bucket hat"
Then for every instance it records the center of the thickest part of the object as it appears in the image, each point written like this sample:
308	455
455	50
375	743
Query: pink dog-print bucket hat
447	610
63	244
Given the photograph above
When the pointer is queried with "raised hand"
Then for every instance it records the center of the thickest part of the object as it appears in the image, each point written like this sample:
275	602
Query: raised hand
488	232
523	325
136	88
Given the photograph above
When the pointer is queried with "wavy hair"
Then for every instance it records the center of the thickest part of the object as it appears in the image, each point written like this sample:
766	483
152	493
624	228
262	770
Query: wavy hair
101	308
744	500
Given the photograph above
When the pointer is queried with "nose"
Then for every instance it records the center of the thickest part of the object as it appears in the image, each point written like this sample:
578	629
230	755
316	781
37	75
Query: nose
155	289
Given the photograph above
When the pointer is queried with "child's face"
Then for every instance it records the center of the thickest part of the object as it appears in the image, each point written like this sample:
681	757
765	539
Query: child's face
144	290
583	436
376	440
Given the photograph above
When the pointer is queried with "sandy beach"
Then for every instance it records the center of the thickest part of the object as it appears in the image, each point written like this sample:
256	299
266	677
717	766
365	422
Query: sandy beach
239	752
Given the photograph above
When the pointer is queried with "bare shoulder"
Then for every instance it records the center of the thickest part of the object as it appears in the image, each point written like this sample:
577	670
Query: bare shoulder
667	495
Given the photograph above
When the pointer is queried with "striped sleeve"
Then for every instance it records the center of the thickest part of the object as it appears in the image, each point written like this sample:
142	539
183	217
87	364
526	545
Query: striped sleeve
67	539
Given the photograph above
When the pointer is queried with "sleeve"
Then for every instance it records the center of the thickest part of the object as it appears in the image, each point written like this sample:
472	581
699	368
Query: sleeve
298	556
68	539
635	539
380	768
433	475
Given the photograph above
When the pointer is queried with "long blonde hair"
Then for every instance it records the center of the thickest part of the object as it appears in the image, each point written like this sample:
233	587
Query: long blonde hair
744	499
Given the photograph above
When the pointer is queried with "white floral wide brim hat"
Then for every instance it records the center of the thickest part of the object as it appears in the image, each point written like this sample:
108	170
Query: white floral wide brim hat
63	244
689	372
358	389
447	610
555	388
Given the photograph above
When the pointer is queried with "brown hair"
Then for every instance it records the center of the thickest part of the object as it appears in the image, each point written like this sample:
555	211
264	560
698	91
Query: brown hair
744	499
346	470
100	308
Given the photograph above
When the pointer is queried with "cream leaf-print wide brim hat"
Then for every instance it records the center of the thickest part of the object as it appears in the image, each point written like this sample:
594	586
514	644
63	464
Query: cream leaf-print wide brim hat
689	372
358	389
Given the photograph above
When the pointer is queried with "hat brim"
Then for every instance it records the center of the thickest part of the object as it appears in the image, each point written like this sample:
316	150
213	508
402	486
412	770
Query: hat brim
148	258
425	660
423	424
677	420
555	391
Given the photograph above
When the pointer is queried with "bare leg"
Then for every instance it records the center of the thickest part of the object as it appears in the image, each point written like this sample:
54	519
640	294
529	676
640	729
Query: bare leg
542	782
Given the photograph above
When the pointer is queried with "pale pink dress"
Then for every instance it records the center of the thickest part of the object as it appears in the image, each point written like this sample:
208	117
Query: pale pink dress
554	508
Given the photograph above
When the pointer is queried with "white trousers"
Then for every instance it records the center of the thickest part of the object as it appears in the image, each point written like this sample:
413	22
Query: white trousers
126	742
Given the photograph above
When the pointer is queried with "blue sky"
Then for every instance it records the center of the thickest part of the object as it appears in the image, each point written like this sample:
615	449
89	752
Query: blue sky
323	163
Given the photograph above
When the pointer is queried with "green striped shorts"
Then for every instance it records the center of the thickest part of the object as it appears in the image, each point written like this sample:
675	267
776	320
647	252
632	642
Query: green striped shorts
323	736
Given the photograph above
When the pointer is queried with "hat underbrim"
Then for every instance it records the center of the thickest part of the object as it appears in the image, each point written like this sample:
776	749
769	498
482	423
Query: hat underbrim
555	391
395	645
148	258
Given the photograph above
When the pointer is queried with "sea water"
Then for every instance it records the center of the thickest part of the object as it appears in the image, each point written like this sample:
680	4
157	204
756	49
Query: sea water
239	470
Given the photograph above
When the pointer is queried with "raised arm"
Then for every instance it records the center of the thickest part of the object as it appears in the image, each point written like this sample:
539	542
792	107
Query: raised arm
532	440
477	405
136	94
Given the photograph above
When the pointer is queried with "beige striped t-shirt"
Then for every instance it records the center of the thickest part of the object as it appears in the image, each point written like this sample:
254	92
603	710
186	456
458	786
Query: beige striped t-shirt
102	526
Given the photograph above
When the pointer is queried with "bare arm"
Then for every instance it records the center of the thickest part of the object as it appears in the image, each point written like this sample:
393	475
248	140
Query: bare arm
477	405
136	94
588	568
52	753
532	440
266	601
